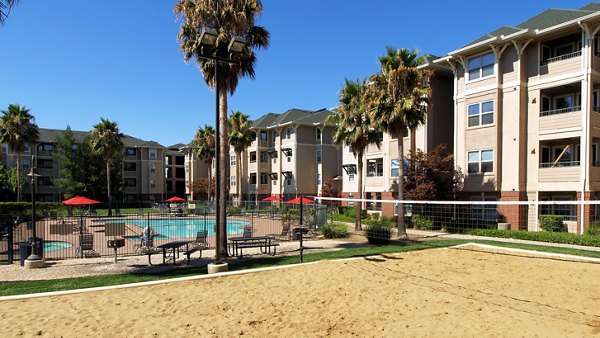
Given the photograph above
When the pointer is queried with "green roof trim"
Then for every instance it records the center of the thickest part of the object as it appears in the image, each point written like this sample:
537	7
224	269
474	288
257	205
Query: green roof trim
49	136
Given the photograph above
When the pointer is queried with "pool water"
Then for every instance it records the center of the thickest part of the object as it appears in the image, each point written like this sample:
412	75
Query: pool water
56	245
183	228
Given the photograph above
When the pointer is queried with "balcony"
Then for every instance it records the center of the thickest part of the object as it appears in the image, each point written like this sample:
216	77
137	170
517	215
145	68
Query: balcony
561	65
556	120
560	172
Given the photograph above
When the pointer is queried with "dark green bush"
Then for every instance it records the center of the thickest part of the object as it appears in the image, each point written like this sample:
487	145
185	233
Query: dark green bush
24	208
422	222
335	230
379	233
552	223
593	229
540	236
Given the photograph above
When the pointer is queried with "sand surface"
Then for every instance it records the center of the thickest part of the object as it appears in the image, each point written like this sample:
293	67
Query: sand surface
438	292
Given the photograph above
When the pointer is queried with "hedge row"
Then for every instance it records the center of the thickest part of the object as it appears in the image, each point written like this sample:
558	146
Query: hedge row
540	236
23	209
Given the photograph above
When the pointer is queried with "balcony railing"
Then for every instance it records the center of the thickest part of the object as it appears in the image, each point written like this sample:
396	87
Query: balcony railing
559	164
560	111
564	57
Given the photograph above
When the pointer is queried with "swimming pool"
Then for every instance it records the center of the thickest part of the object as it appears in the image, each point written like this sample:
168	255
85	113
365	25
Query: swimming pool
56	245
182	227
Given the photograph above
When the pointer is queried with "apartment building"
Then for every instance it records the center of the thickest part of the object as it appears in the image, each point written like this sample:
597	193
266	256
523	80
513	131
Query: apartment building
292	154
381	164
175	171
143	166
527	116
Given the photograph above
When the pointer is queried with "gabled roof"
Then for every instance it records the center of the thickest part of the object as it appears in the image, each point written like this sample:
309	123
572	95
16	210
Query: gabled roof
291	116
49	136
547	19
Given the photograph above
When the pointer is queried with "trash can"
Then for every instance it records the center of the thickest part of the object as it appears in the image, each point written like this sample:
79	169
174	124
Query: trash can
37	246
297	234
24	252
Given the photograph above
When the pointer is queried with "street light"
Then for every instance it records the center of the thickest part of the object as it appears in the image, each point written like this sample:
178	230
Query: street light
35	259
209	50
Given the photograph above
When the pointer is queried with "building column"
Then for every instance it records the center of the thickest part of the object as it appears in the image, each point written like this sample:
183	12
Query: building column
588	212
515	214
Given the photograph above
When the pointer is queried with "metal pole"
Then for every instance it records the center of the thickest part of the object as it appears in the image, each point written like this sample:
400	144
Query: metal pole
35	255
301	234
217	168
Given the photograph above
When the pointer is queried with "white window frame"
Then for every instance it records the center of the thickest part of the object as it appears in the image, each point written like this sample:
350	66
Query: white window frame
319	155
480	114
319	134
288	180
351	177
266	134
252	154
152	153
395	165
264	179
152	168
480	161
152	184
480	67
232	160
233	180
318	179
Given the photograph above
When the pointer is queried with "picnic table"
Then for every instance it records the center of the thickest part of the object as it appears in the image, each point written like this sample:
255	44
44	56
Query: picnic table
264	243
175	247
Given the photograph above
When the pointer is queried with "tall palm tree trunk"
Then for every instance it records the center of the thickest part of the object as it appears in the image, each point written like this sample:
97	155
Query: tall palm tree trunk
109	188
413	148
223	152
358	206
238	174
19	188
401	225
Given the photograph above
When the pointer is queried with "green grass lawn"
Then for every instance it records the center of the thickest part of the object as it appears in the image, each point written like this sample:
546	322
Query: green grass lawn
25	287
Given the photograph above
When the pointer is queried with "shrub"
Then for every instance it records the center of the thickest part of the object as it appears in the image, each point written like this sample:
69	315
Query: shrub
552	223
379	233
593	229
540	236
335	230
234	209
422	222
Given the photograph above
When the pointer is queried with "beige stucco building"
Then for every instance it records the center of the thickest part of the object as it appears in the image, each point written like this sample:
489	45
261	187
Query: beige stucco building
527	122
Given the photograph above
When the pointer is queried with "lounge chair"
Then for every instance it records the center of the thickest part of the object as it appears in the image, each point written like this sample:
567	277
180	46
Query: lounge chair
86	245
198	244
286	232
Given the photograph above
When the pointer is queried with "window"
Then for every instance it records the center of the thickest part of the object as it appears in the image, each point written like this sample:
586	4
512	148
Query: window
288	133
130	151
253	135
484	211
129	166
481	113
350	150
179	172
233	181
44	181
318	134
264	157
289	158
152	184
263	179
263	135
318	156
252	178
274	135
481	66
130	182
481	161
152	153
4	148
253	157
27	149
350	177
395	167
274	178
48	164
25	163
350	202
232	159
179	160
375	167
153	168
318	179
45	147
288	180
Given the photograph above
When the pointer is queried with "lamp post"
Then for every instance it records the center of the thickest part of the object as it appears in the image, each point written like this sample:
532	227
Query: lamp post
211	50
35	259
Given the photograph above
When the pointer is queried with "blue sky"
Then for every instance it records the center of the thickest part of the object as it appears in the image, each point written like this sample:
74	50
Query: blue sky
73	62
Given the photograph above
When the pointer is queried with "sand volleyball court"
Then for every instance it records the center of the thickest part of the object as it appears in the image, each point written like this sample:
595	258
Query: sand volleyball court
438	292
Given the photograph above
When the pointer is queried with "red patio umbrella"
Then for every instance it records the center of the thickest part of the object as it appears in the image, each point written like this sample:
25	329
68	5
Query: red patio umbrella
175	199
80	200
297	201
272	198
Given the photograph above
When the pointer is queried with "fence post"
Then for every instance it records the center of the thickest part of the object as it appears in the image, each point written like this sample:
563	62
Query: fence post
10	241
80	236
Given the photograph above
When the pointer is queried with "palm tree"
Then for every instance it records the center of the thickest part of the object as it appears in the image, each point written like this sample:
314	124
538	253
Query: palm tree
205	149
107	141
17	129
5	7
397	101
354	129
240	137
228	19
